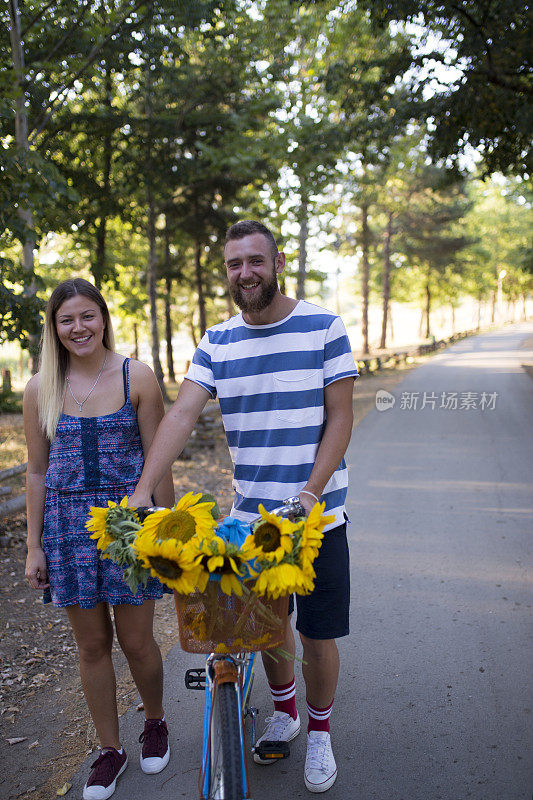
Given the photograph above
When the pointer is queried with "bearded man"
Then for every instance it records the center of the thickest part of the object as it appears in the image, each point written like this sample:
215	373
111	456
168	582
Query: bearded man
283	372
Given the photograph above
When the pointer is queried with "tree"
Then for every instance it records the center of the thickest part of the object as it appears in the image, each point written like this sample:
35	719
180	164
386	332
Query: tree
364	75
50	50
24	211
221	155
498	224
430	236
394	185
311	137
478	85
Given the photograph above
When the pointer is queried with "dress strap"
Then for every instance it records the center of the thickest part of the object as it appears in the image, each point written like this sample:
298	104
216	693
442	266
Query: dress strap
126	379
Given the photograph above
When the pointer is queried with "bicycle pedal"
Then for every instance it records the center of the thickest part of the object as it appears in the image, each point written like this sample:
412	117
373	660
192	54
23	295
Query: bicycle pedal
272	749
195	679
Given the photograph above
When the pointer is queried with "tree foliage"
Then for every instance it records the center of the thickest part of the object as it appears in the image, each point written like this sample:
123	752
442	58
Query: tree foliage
476	81
152	126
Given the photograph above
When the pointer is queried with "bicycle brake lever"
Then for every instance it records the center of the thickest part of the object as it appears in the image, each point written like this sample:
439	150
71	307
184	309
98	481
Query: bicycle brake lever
291	507
145	511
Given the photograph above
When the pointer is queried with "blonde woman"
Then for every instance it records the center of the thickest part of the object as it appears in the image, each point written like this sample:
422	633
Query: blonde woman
90	416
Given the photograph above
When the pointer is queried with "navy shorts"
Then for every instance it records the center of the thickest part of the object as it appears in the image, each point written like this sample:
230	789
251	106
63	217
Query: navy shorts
324	614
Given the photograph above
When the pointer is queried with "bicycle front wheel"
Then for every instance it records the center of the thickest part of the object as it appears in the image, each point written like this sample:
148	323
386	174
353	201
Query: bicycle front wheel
226	751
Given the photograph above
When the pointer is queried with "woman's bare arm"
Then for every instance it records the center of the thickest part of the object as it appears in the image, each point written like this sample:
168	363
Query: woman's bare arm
38	449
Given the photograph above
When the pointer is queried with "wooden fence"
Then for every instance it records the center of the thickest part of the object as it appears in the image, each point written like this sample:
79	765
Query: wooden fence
394	356
16	504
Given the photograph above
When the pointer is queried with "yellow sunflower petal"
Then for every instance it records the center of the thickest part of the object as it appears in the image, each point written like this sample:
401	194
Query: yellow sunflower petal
152	521
168	561
234	566
214	562
230	584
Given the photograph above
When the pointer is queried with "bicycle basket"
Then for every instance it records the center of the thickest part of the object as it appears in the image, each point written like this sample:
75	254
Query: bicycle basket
212	621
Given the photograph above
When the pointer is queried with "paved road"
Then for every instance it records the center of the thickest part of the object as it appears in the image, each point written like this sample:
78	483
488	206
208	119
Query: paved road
436	694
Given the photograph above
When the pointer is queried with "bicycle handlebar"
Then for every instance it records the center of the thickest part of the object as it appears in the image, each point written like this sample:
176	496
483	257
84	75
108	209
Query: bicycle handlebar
291	507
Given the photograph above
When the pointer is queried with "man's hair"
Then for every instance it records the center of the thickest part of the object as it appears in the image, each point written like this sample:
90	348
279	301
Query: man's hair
247	227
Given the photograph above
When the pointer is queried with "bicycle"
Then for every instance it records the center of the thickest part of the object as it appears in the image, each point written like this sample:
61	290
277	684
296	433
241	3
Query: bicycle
227	680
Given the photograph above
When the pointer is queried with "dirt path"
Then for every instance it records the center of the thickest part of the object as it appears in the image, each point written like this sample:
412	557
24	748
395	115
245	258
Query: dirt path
41	702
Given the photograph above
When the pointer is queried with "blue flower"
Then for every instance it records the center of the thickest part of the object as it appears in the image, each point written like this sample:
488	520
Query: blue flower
233	530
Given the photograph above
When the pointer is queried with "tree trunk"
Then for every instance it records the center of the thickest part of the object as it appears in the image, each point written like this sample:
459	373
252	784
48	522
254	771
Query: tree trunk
365	273
168	329
493	310
428	309
200	287
135	341
99	261
11	472
193	332
13	506
152	253
302	253
453	317
99	270
23	147
386	281
152	291
6	381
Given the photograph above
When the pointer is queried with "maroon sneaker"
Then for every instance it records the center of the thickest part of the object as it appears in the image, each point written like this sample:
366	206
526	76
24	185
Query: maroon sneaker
156	751
105	771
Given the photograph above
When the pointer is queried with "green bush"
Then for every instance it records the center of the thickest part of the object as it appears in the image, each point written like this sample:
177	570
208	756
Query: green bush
10	402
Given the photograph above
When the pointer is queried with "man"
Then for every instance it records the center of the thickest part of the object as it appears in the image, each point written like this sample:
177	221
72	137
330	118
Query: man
284	372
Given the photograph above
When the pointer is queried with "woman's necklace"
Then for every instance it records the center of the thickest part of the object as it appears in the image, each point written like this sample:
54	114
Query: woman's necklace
81	404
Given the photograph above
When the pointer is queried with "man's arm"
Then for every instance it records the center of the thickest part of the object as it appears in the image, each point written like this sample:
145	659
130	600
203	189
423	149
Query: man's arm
338	404
170	439
150	409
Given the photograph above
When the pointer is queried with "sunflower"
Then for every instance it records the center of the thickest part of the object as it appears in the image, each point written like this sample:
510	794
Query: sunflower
224	560
97	522
311	536
171	562
181	523
316	519
271	538
282	579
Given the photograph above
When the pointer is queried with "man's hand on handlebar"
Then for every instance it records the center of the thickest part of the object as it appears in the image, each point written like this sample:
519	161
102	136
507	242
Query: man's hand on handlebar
307	502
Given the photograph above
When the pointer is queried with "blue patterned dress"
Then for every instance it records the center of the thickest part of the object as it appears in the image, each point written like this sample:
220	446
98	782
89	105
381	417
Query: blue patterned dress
92	460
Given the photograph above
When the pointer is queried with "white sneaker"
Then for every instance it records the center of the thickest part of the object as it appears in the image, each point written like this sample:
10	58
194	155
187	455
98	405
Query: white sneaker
280	727
320	768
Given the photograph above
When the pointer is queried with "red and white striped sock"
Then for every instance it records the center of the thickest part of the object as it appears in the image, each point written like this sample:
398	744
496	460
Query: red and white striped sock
318	717
284	697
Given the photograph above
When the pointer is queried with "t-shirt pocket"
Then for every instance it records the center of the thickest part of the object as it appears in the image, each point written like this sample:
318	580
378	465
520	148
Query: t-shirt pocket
295	395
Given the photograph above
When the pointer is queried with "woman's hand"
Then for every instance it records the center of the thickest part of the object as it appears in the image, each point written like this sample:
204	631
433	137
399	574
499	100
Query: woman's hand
139	500
36	571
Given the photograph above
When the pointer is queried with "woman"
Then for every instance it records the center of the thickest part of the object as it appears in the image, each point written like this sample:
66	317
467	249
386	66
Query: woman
89	417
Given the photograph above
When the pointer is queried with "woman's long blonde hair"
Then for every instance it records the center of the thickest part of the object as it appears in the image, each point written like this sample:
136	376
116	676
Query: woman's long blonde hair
54	355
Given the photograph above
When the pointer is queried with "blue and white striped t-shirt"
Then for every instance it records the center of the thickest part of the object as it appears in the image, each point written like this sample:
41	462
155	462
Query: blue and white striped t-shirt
270	382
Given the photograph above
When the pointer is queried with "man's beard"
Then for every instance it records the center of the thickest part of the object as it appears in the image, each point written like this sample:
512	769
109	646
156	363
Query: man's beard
261	301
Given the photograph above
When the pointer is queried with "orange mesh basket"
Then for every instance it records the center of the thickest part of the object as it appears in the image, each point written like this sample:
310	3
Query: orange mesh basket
214	622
